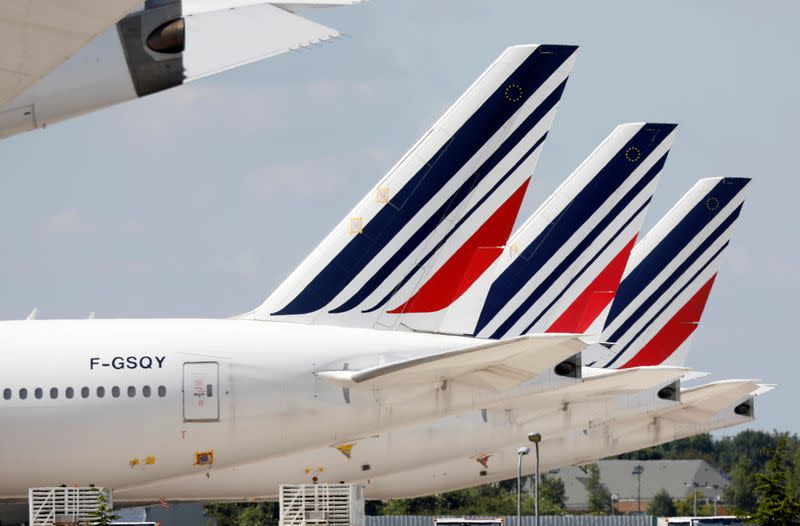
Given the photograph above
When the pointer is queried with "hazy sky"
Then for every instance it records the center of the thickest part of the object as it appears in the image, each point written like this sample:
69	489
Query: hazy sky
197	202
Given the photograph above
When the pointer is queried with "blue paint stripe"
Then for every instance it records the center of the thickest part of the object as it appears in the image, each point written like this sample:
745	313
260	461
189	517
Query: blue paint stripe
458	196
569	220
576	253
668	249
453	230
593	235
671	300
444	164
673	277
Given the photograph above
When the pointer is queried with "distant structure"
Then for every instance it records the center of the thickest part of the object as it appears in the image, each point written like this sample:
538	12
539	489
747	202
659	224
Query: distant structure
681	478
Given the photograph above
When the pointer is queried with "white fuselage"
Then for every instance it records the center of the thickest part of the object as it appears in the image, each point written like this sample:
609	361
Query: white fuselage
265	402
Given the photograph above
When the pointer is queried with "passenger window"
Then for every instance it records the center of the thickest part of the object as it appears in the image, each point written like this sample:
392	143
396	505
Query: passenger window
146	391
23	394
84	392
131	391
38	393
69	392
162	391
101	392
7	393
115	391
54	392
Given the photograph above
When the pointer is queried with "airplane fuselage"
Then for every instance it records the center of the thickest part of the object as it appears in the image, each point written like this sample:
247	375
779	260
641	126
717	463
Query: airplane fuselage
124	402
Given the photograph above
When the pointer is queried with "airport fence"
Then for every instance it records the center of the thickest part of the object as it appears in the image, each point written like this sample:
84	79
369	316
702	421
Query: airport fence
545	520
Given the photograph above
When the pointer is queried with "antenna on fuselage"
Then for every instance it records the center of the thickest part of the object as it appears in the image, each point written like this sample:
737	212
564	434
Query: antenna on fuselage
33	314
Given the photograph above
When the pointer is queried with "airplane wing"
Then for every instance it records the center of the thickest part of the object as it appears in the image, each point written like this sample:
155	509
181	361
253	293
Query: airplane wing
498	365
36	36
221	37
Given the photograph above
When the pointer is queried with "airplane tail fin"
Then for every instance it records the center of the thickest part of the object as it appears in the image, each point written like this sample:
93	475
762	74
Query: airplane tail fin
457	190
562	267
669	277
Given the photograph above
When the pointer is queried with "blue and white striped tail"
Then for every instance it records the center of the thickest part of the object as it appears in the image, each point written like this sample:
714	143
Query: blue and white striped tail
562	268
457	190
669	277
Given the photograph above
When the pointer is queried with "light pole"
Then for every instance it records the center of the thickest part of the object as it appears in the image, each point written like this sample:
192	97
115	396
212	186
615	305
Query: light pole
637	470
716	503
521	452
614	500
536	438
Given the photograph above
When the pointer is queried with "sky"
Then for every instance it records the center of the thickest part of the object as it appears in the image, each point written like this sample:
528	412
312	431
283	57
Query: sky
199	201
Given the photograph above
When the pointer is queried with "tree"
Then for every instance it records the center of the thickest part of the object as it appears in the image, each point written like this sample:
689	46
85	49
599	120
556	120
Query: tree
662	505
777	506
104	514
241	514
599	496
553	491
686	506
740	495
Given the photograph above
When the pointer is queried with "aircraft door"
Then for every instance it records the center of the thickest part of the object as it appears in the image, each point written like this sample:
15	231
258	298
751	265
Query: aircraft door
201	391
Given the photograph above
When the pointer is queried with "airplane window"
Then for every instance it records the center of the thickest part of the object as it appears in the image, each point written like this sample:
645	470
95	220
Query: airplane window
38	393
23	394
115	391
84	392
70	392
146	391
7	393
54	392
101	392
162	391
131	391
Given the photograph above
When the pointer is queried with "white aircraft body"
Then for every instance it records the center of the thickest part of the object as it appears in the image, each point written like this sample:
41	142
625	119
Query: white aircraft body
161	398
63	59
389	463
416	330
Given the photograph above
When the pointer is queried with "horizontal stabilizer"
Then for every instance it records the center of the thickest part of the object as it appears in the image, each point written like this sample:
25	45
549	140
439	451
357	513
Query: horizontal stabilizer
615	382
500	365
763	389
223	39
702	402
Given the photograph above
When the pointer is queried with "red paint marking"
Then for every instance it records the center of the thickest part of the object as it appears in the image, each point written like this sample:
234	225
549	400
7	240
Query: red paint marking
601	291
675	332
469	261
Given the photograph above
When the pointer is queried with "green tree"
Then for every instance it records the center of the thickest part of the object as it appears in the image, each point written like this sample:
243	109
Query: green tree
104	514
686	507
553	491
662	505
740	495
777	505
599	496
243	514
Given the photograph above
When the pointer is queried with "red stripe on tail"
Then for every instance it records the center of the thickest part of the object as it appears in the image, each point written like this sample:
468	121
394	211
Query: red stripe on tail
587	307
675	332
469	261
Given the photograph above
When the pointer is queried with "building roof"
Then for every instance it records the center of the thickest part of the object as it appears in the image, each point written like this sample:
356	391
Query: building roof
679	477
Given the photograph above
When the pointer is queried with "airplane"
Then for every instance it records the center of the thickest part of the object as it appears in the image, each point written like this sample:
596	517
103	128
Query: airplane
598	243
287	361
146	400
61	60
421	460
